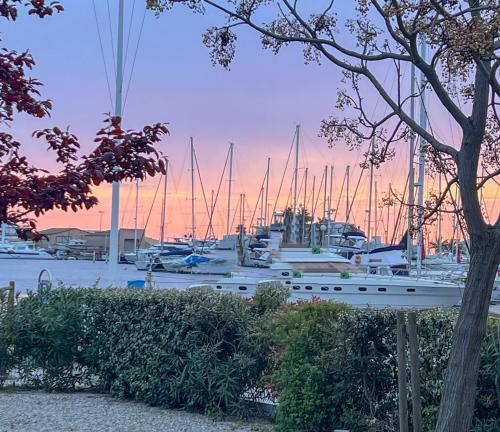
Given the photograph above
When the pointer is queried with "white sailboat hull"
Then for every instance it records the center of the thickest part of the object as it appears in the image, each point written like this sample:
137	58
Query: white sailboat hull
369	291
22	255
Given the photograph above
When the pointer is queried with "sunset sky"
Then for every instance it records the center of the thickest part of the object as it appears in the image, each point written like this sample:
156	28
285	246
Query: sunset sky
256	106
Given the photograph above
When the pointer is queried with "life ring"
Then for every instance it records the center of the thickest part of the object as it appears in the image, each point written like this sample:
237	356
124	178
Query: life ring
357	259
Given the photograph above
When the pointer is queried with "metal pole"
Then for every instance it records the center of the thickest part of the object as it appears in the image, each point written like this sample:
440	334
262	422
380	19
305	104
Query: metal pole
304	208
347	194
262	206
136	211
388	216
375	211
241	209
329	207
293	233
401	353
229	187
330	193
163	207
193	229
243	197
212	209
411	175
313	225
414	372
267	191
325	202
4	225
115	200
440	220
421	166
369	228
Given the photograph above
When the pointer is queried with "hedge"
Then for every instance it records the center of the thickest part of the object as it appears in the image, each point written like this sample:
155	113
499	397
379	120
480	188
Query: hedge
336	368
191	349
330	367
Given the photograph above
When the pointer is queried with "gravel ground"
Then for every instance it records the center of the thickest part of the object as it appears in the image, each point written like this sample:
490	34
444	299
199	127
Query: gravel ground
82	412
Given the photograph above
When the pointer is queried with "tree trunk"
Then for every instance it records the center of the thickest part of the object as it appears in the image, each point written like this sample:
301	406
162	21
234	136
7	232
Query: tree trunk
458	396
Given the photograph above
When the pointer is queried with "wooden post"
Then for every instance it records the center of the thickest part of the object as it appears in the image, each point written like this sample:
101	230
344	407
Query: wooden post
11	297
149	280
401	351
415	373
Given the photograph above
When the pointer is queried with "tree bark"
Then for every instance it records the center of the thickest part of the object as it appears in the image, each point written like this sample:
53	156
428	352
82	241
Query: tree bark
458	397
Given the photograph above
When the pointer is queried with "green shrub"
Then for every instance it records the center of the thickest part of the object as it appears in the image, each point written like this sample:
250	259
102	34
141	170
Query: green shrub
194	349
270	296
337	369
310	398
330	366
48	339
5	337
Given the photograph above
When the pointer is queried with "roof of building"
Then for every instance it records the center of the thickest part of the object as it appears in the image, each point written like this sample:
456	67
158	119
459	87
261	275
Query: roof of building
50	231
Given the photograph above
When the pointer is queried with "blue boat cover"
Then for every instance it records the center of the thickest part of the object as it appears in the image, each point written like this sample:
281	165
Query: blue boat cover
194	259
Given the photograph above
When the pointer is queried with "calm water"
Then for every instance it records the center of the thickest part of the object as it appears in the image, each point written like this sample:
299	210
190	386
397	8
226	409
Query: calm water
84	273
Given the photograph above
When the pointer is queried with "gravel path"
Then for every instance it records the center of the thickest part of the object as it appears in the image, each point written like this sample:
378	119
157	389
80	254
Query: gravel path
82	412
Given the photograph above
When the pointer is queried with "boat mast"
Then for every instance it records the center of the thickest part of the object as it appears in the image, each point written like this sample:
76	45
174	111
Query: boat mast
163	207
375	211
325	201
411	175
347	194
330	193
267	191
242	210
312	239
136	213
192	194
261	206
293	236
440	220
369	228
115	200
229	187
212	209
388	215
304	208
329	206
421	165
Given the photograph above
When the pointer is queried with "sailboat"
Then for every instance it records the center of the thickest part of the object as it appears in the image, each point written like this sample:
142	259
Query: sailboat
23	250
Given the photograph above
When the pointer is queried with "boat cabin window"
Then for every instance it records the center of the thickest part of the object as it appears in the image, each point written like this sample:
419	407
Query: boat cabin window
285	273
382	289
309	287
337	288
325	288
242	288
325	267
288	282
410	289
296	287
361	288
219	286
